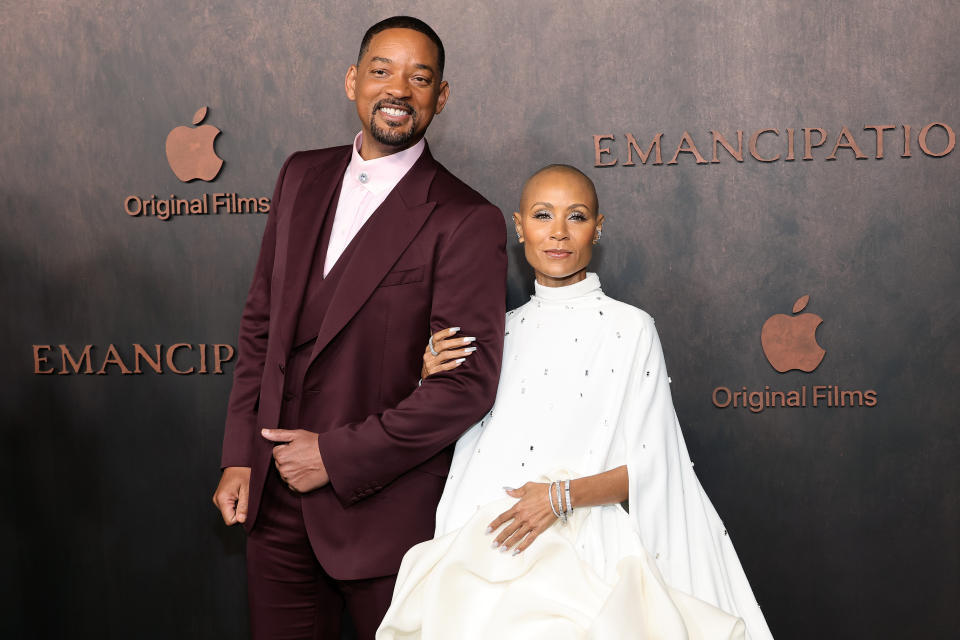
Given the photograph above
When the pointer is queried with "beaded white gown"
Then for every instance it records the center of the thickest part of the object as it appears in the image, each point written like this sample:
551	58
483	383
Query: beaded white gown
583	389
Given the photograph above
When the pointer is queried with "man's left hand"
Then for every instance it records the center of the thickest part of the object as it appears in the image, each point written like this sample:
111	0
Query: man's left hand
297	458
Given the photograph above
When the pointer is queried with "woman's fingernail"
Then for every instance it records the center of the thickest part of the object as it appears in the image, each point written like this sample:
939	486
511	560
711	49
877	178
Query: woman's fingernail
489	530
453	330
470	339
469	349
460	360
516	551
494	544
503	548
505	488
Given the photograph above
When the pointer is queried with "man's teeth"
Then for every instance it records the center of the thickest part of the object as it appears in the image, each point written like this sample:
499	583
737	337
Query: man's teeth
390	111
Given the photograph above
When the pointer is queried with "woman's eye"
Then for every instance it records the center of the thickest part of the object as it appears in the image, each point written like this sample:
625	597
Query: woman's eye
542	215
579	217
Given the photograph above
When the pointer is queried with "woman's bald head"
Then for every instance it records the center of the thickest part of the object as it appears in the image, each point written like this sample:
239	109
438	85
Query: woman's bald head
564	171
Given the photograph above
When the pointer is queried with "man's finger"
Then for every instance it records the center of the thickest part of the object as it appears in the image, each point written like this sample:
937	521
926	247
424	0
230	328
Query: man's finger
242	502
227	507
279	435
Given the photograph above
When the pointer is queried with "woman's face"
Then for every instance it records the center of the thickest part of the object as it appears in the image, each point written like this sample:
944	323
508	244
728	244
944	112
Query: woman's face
558	225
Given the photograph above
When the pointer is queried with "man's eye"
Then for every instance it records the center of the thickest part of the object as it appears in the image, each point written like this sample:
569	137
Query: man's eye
421	80
379	72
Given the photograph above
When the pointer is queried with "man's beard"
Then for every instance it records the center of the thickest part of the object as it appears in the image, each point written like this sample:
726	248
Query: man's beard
393	136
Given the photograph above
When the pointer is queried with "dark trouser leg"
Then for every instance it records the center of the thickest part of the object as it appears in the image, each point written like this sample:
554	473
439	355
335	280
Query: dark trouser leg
367	601
291	597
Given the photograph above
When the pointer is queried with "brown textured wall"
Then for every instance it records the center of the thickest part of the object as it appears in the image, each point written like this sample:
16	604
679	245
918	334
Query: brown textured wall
846	519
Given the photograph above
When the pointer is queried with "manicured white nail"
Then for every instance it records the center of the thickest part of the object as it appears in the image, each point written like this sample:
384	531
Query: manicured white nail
453	330
505	488
489	530
468	340
516	551
494	544
469	349
460	360
503	548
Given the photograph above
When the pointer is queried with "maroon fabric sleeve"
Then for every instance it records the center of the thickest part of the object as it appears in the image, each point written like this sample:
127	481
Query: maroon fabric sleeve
469	292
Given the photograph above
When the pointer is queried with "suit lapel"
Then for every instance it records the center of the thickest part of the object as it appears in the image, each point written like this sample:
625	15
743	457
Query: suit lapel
391	229
314	201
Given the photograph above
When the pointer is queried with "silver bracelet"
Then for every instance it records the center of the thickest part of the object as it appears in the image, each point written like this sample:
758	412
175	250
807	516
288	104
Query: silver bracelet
550	500
560	507
566	489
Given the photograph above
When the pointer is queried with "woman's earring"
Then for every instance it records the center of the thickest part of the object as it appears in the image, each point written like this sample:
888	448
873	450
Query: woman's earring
519	238
597	239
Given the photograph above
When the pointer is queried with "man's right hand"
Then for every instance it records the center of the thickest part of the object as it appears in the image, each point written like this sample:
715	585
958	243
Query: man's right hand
232	493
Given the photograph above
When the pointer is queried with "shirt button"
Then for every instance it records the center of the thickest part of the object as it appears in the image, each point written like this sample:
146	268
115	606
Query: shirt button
363	178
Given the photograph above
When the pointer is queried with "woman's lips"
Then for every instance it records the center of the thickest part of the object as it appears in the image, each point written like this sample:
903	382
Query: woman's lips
557	254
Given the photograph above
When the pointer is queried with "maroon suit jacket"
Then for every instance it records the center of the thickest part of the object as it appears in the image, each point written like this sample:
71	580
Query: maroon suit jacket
432	256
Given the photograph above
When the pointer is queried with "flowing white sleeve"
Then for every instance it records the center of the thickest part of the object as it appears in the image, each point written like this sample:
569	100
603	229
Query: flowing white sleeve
678	524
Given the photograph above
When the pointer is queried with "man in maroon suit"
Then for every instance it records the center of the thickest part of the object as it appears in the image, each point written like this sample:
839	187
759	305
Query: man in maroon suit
334	458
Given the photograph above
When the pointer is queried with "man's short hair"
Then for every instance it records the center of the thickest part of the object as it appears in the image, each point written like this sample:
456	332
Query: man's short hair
403	22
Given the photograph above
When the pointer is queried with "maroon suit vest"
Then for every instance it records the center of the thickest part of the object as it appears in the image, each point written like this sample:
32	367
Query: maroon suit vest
317	296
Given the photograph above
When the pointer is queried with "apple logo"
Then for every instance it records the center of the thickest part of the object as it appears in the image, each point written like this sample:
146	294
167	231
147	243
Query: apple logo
790	342
190	150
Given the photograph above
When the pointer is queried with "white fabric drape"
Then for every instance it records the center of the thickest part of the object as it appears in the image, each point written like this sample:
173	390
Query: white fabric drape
583	389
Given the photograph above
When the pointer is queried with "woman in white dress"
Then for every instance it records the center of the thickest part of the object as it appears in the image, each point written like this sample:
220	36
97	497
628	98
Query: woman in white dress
531	539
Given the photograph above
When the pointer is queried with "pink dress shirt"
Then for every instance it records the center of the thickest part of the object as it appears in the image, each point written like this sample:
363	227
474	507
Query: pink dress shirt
366	184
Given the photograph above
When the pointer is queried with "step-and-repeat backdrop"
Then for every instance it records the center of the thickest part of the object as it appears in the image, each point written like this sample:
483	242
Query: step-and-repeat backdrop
781	188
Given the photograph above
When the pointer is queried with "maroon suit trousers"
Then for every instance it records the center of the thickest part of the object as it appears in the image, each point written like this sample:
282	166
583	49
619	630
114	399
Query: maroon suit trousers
291	596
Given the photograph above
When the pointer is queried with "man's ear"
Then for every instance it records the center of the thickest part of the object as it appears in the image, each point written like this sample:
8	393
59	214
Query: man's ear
350	82
442	96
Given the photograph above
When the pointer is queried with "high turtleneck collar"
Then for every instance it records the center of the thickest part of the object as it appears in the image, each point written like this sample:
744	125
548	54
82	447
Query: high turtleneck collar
588	285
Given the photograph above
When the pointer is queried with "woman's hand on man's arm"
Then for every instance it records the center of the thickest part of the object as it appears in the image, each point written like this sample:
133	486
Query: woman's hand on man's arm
444	352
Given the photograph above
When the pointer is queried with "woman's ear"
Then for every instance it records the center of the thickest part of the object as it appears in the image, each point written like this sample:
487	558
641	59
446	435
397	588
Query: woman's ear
599	231
516	224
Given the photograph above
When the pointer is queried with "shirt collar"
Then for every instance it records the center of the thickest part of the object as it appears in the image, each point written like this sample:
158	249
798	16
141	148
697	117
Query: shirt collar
381	174
589	285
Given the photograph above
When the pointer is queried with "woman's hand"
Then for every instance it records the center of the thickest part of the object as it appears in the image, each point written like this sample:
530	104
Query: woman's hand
451	352
525	520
